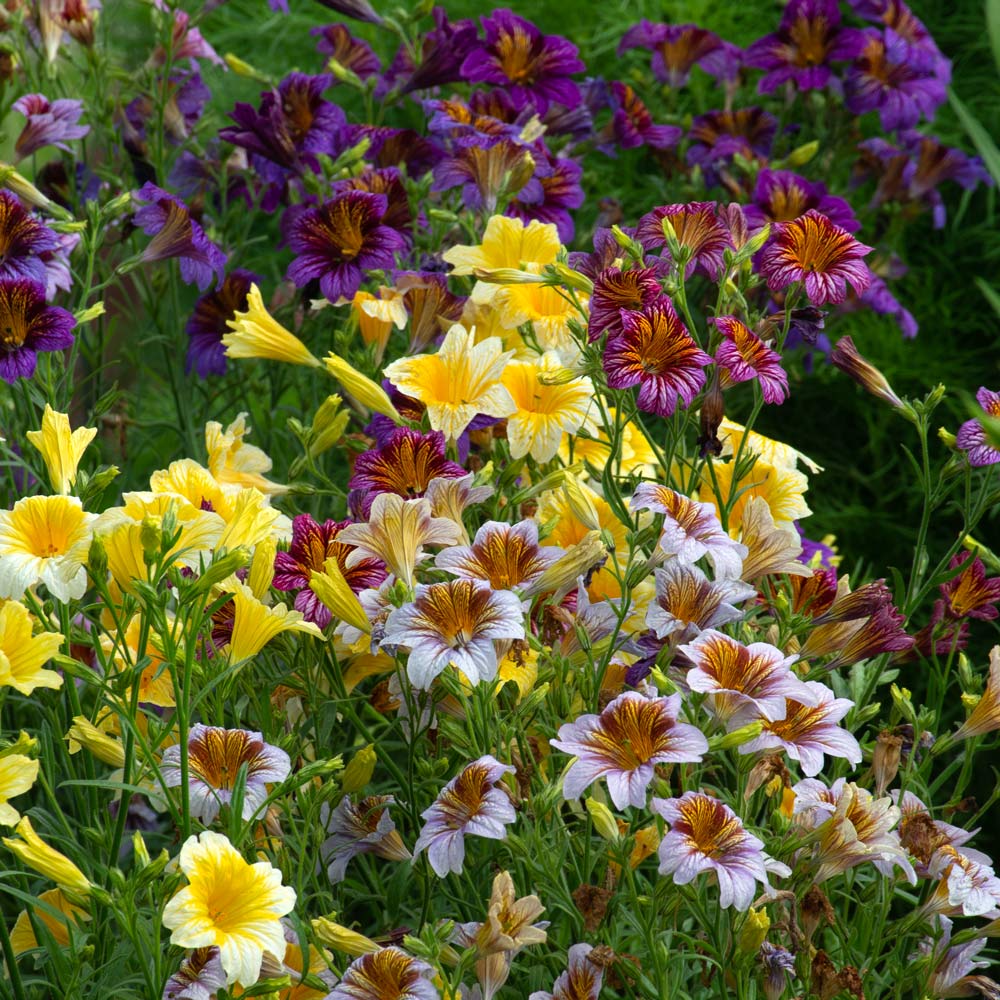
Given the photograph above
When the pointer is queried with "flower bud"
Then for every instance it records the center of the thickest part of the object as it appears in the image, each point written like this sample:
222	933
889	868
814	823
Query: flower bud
885	760
903	703
359	771
83	733
729	741
849	360
602	818
362	388
327	931
45	860
333	590
801	155
753	931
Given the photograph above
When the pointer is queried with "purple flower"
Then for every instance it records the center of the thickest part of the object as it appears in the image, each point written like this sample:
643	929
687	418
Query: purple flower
951	966
454	624
697	229
388	972
705	835
677	48
340	240
386	181
360	10
808	39
471	804
632	124
395	147
687	602
485	171
215	757
896	15
617	293
23	239
57	271
364	827
431	305
895	79
558	180
175	234
355	54
581	981
744	356
971	437
717	136
27	326
624	744
186	43
50	123
655	352
808	731
200	977
777	963
443	50
455	120
782	196
205	328
534	68
879	299
606	252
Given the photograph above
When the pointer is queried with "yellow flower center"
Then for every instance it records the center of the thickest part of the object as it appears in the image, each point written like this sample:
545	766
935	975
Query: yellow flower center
710	830
46	526
516	58
809	38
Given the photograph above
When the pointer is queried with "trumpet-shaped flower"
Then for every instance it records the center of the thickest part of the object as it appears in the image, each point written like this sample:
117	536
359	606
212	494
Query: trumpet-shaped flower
255	624
771	548
472	804
236	464
229	904
199	977
23	241
28	325
687	602
985	716
57	914
705	835
23	655
459	382
624	743
215	756
255	333
17	775
454	623
364	827
386	974
206	353
967	887
781	488
582	979
548	310
677	49
61	448
615	290
46	860
697	229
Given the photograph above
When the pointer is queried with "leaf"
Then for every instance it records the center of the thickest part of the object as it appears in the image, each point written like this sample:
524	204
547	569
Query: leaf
990	294
993	28
981	139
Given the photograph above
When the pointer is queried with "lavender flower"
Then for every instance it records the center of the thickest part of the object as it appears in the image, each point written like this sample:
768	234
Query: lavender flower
23	241
200	977
50	123
687	602
632	124
581	981
386	974
971	437
27	326
471	804
364	827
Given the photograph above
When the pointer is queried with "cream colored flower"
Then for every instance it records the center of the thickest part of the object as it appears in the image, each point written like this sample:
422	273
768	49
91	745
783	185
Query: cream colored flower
233	463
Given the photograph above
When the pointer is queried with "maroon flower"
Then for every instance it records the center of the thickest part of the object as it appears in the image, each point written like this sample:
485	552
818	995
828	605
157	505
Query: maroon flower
821	255
744	356
340	240
633	124
969	594
698	230
882	633
614	290
717	136
533	68
27	326
355	54
782	196
207	324
678	48
50	123
312	544
23	238
655	352
971	437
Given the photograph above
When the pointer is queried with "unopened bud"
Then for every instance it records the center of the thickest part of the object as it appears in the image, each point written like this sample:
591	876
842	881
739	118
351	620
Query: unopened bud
729	741
801	155
849	360
753	931
359	771
903	703
327	931
885	760
602	818
89	314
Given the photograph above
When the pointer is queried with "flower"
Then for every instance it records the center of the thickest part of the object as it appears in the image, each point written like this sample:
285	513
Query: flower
386	974
47	861
396	532
971	436
616	293
506	556
364	827
808	39
23	655
581	981
229	904
361	387
687	602
656	352
782	196
348	51
454	623
49	123
690	529
23	241
175	234
705	835
717	136
549	401
624	743
813	250
850	360
743	356
340	240
488	169
744	683
967	886
473	804
547	308
458	382
28	326
56	913
676	48
772	548
208	324
44	539
61	448
985	716
235	464
695	228
533	68
215	756
17	775
255	333
342	938
199	977
254	624
969	593
808	731
951	965
632	124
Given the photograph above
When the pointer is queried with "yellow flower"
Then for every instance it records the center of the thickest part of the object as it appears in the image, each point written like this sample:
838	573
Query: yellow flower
333	590
229	904
187	479
359	770
44	540
255	624
731	434
520	665
550	402
251	521
506	243
771	548
985	714
22	655
235	464
635	454
257	334
61	448
83	733
342	938
17	775
361	387
36	854
377	316
56	912
459	382
547	309
155	684
781	487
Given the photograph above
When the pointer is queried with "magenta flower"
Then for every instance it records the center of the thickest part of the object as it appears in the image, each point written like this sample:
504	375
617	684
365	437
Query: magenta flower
687	602
582	979
971	436
624	744
616	290
697	228
969	594
364	827
50	123
807	732
782	196
215	757
691	529
821	255
633	124
340	240
23	242
454	623
809	38
175	234
471	804
705	835
558	183
312	544
27	326
207	325
744	356
717	136
655	352
678	48
533	68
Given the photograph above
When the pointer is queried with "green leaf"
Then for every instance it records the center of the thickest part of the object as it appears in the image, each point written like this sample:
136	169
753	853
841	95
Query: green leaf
993	28
990	294
981	139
